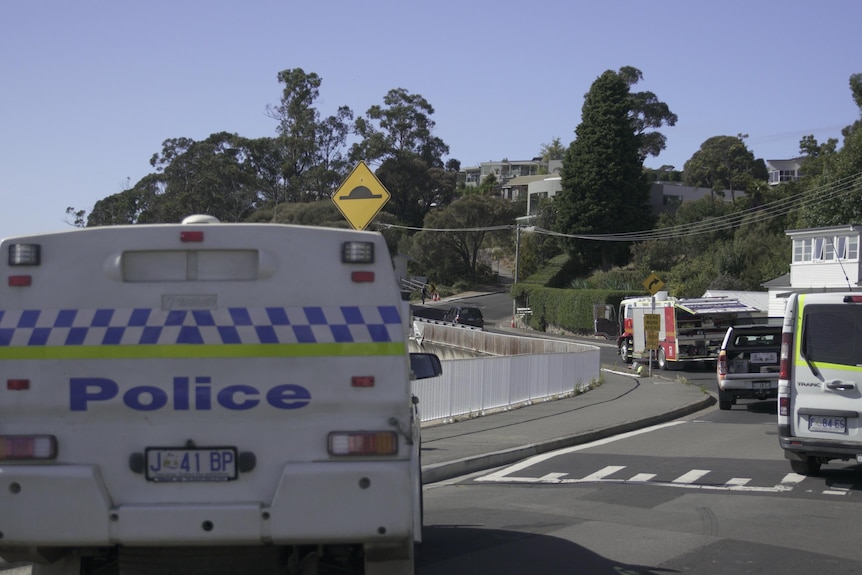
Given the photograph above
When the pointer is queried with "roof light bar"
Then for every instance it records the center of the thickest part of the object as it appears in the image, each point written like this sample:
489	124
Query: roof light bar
357	253
25	254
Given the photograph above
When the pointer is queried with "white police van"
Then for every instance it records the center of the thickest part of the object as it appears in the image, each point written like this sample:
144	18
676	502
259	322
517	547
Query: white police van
223	398
820	380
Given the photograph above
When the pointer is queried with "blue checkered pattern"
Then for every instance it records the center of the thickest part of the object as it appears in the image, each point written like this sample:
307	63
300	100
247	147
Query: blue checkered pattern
239	325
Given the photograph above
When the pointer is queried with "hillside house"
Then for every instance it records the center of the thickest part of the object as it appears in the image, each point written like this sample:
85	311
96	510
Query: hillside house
822	260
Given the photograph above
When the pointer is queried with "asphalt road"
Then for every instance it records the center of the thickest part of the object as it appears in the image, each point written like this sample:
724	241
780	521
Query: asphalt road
708	494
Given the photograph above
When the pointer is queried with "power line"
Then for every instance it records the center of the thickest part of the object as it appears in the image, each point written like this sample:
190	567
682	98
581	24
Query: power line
777	208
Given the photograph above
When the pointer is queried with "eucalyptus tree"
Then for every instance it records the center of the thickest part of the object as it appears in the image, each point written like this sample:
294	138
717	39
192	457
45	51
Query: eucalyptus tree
833	177
724	163
647	113
399	136
312	150
452	244
203	177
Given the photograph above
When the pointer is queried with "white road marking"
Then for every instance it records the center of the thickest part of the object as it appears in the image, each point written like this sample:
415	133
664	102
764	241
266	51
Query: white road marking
641	477
603	473
505	473
691	476
686	480
737	481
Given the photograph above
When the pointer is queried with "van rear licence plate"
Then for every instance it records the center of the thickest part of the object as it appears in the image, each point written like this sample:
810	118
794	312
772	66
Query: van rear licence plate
197	464
827	424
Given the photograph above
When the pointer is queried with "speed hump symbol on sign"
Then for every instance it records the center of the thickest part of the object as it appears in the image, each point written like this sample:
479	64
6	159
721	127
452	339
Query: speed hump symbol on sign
361	197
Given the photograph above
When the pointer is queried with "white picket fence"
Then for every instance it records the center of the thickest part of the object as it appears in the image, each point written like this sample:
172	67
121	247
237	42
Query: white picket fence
531	370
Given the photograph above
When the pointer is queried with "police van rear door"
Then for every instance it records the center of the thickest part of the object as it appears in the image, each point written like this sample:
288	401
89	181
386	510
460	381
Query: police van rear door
828	367
211	355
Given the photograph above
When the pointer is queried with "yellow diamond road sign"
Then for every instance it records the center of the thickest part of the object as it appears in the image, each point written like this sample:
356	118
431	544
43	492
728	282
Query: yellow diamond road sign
653	283
360	197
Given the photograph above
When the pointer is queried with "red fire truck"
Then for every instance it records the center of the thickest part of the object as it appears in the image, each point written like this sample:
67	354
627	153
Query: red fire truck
684	331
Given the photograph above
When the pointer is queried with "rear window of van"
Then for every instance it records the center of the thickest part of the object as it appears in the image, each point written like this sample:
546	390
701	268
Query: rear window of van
832	334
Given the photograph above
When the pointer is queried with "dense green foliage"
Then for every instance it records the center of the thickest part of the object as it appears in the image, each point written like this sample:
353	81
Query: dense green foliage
724	163
290	178
604	190
456	255
564	309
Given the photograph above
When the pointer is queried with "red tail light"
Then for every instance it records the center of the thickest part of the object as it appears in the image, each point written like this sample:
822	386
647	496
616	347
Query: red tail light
17	384
24	447
362	381
784	360
784	406
367	443
721	365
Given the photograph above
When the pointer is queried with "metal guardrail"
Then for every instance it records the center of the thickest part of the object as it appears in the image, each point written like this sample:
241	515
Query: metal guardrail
523	371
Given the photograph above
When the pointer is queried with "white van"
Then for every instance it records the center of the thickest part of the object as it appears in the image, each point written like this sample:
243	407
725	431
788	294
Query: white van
820	380
209	397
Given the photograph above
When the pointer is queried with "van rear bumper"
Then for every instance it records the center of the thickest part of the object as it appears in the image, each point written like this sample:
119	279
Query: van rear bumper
320	503
800	447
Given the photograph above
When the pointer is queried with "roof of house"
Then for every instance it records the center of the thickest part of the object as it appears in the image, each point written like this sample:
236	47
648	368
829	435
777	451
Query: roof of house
525	180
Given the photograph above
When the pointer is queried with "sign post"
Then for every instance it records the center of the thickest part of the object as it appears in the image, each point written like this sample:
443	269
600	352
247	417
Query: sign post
652	325
360	197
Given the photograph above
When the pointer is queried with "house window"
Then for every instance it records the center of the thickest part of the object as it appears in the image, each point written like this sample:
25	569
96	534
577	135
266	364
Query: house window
853	248
829	250
802	250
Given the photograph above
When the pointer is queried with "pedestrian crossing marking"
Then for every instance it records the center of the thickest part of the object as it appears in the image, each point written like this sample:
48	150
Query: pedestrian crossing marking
642	477
691	476
737	481
687	480
603	473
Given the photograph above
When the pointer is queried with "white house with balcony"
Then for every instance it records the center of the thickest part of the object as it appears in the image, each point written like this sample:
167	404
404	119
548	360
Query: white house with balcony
823	260
781	171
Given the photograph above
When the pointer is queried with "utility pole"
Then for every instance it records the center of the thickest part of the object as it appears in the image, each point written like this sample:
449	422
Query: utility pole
517	265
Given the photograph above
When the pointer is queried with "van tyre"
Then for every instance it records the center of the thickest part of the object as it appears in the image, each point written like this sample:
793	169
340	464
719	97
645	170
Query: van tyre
806	466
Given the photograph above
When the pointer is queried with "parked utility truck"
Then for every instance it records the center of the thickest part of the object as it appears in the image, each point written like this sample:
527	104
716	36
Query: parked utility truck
686	331
208	398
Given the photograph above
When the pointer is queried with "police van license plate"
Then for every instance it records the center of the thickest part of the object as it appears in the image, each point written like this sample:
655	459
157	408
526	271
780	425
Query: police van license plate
196	464
827	424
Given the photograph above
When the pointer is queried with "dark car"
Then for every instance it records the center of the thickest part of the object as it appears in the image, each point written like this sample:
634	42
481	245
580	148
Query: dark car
465	315
748	363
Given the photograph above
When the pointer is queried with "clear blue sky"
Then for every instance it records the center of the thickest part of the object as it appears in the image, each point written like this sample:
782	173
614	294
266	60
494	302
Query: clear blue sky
91	89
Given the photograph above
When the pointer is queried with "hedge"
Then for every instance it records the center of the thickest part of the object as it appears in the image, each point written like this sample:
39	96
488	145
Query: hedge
567	309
